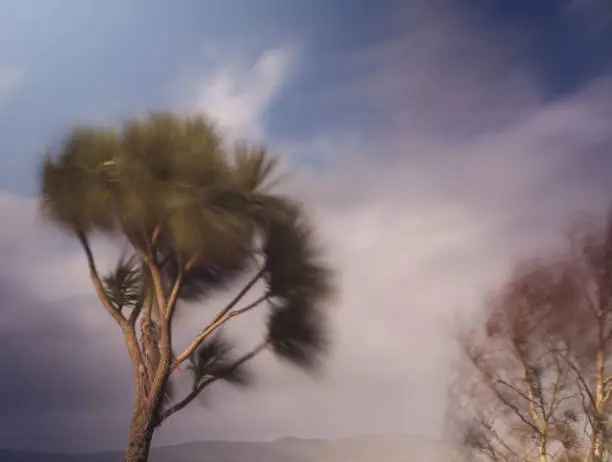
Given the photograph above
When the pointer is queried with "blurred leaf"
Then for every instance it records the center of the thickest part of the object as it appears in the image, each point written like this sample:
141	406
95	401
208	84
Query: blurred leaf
124	285
253	168
77	188
297	333
203	278
214	359
293	264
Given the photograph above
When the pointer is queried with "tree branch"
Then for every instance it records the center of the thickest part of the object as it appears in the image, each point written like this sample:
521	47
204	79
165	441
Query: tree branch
514	408
503	443
134	314
174	293
178	283
127	325
240	295
155	236
534	401
205	383
492	379
146	304
581	380
138	365
212	327
145	324
517	412
559	384
155	276
97	282
512	388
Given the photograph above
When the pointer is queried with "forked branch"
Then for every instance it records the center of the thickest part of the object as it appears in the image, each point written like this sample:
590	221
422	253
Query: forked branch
221	318
240	295
178	284
205	383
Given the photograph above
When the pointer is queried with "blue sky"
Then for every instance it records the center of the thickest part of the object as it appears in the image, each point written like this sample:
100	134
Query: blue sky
435	142
107	60
114	59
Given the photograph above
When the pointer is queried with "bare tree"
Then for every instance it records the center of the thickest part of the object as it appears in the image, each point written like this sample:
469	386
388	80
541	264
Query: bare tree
585	327
196	216
542	357
512	400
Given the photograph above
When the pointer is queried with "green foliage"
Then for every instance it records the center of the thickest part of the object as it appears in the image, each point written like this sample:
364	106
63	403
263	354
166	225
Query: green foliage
80	177
124	285
214	360
297	282
297	332
253	168
204	278
292	261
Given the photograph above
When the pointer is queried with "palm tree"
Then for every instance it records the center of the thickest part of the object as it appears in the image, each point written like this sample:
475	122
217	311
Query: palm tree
194	216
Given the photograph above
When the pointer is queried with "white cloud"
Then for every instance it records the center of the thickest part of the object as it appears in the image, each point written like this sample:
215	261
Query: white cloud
237	94
40	258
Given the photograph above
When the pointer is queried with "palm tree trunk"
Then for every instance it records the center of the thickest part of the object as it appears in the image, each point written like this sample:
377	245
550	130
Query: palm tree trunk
141	433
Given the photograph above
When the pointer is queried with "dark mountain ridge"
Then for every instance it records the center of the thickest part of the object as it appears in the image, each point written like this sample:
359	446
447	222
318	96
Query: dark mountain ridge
369	448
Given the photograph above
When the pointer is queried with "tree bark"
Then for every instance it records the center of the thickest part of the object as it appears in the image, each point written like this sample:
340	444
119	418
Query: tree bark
141	433
542	450
598	442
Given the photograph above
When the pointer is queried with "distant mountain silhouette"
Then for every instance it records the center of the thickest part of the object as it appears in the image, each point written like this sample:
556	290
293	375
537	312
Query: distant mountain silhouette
369	448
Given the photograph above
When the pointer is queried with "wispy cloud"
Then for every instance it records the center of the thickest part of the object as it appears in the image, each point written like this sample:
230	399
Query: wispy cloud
596	13
237	93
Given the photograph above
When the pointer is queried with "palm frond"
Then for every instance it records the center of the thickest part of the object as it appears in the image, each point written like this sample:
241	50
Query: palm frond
297	332
293	260
77	188
203	279
215	360
124	286
253	168
299	284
